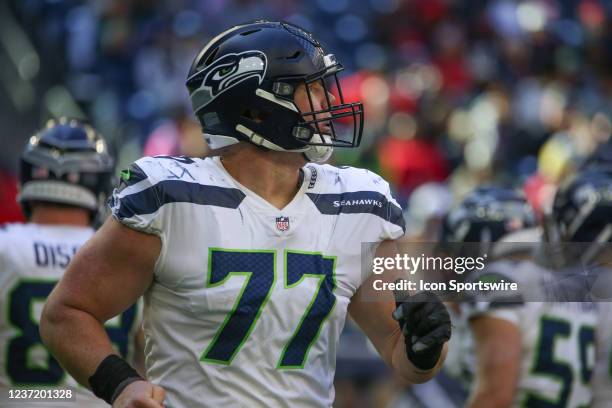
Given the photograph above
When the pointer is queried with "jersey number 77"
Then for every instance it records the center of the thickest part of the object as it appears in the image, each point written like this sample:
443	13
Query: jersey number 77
259	268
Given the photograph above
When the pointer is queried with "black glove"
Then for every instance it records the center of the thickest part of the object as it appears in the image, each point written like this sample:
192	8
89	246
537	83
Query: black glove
426	326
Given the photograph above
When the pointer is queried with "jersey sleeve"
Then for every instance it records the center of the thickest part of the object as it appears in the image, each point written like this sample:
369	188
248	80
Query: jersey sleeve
507	305
394	225
388	210
136	202
365	192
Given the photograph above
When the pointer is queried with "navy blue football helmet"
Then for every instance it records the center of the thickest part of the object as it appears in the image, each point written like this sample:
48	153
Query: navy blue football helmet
582	208
242	85
486	215
66	162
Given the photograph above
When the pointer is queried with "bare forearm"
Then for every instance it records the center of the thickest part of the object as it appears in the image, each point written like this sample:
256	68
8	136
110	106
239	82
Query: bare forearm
76	339
498	355
95	288
495	387
490	398
406	370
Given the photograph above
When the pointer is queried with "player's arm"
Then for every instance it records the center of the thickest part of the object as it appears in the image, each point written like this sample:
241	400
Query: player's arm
378	315
110	272
498	356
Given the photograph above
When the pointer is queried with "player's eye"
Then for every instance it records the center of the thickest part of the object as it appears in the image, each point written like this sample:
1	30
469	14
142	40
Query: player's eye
316	89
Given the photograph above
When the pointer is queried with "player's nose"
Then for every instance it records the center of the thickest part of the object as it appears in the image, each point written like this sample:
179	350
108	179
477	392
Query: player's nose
328	100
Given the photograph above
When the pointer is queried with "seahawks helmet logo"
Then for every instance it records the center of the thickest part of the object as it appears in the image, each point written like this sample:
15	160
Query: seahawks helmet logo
227	72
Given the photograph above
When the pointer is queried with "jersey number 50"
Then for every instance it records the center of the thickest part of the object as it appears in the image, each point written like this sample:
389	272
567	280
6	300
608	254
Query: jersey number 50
548	365
259	268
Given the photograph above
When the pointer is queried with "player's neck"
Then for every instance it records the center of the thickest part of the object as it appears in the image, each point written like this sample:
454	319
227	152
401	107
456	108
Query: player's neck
49	215
274	176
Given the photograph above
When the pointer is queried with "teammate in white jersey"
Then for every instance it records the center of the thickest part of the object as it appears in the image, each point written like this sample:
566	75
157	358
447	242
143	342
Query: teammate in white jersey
583	214
602	374
65	175
526	349
248	261
531	353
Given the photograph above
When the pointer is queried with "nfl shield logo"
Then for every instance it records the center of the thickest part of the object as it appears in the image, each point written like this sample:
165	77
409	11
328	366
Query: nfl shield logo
282	223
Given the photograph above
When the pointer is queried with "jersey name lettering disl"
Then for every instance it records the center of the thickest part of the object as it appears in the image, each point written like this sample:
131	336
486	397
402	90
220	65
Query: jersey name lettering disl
33	258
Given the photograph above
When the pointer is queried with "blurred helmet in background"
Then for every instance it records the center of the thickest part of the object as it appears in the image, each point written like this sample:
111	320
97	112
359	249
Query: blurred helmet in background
485	216
242	85
582	208
67	162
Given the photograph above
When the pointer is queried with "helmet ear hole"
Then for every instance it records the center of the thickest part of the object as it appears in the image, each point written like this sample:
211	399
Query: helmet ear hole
295	55
254	115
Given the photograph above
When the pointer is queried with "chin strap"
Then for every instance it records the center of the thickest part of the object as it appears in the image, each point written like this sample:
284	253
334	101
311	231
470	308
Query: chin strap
321	153
312	153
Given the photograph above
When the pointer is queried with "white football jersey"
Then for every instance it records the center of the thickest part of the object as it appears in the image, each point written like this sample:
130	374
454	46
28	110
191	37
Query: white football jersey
32	260
602	376
248	301
557	338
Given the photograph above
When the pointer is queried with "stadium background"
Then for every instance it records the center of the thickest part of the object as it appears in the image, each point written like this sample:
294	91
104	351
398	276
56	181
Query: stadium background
456	93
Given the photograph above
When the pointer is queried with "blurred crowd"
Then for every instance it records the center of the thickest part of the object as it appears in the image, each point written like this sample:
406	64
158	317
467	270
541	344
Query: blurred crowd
456	93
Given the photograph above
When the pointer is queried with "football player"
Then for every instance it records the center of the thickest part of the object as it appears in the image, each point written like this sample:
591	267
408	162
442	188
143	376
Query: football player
602	374
583	213
65	176
250	260
526	349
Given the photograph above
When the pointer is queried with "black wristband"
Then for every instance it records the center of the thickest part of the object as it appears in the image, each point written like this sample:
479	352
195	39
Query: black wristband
112	373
